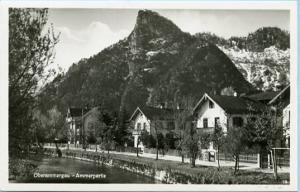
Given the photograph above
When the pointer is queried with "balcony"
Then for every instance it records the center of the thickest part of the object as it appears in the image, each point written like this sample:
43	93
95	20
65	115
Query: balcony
207	130
135	132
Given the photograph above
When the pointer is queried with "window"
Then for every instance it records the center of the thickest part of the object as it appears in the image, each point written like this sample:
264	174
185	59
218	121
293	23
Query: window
237	121
138	127
217	122
211	104
144	127
205	123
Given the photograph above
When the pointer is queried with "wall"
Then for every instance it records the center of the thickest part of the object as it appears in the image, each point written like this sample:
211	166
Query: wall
205	112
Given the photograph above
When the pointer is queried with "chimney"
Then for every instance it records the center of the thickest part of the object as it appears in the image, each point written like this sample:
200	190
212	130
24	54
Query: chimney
214	92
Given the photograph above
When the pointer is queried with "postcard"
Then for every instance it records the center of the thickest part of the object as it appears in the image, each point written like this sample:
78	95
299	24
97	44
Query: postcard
148	96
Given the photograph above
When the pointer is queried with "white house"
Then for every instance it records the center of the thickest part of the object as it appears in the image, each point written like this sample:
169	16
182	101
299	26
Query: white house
224	111
142	118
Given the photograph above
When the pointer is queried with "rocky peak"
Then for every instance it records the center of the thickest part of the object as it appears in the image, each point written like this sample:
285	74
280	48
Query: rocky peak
152	28
154	23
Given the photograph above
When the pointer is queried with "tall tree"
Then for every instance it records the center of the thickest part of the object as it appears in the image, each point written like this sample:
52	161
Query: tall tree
235	143
182	108
265	132
157	127
31	52
217	137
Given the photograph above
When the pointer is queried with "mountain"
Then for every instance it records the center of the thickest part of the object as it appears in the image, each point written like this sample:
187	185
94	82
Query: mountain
155	63
265	70
263	57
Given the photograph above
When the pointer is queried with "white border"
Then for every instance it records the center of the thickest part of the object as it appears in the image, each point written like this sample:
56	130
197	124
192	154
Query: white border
267	5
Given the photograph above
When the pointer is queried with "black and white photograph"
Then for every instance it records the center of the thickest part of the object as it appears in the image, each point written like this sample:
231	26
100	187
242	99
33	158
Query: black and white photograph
154	95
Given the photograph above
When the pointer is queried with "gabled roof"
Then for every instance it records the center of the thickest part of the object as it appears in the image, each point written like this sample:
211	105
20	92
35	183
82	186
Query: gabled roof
232	104
284	93
154	112
263	96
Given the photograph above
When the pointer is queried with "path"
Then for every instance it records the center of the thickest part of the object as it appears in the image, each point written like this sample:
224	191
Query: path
243	165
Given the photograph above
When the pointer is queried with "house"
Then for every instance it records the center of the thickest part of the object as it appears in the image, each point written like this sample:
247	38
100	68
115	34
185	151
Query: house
224	111
146	118
74	124
281	106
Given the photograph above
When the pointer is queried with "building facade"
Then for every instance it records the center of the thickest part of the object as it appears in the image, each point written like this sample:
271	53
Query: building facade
146	118
225	112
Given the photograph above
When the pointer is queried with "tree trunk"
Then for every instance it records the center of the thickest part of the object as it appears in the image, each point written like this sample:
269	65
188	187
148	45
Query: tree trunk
193	161
273	155
137	149
156	149
236	164
218	157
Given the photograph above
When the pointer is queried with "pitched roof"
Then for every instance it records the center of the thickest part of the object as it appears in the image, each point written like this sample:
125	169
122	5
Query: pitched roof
283	93
233	105
263	96
154	112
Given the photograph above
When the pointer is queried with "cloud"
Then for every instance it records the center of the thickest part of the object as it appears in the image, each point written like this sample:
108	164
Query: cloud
75	45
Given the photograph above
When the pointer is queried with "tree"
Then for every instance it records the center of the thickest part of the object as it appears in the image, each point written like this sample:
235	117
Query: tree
140	134
235	142
265	132
182	118
107	130
31	52
156	126
49	126
191	144
217	137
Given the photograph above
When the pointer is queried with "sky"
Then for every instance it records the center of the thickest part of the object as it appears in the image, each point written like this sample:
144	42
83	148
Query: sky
85	32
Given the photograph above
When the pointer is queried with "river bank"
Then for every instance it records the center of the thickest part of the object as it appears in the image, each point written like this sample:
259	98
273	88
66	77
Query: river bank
174	172
48	168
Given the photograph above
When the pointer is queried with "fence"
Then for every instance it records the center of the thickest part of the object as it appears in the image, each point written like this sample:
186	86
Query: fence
246	158
282	156
204	155
170	152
